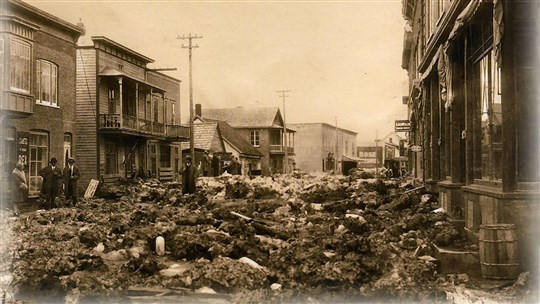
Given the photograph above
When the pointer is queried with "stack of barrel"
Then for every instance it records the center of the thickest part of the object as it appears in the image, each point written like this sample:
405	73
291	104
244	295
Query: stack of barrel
498	251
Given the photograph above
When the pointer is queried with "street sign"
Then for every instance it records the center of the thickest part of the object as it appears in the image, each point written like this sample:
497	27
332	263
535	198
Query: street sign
403	126
416	148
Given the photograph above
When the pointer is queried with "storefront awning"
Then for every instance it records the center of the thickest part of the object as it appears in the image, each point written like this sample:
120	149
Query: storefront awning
350	158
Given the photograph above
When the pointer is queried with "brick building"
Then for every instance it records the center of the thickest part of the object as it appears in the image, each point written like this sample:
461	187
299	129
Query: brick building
37	80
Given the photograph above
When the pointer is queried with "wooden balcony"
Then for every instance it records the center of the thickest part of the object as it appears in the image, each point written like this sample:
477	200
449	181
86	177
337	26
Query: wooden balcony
113	123
17	104
279	149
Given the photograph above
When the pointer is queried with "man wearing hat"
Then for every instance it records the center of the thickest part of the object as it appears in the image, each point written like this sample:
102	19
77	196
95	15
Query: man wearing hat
51	182
71	175
188	176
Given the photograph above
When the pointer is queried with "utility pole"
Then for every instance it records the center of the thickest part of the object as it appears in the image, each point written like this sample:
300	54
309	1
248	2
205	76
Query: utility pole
285	147
376	154
190	46
337	147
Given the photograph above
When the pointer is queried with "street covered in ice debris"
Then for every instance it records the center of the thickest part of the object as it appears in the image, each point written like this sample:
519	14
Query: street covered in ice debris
283	239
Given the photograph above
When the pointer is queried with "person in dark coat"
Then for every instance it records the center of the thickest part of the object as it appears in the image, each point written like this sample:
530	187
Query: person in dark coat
20	187
233	166
71	176
189	174
215	165
51	182
205	164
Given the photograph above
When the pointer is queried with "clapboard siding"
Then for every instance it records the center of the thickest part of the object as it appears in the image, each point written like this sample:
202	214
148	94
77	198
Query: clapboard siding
128	68
86	137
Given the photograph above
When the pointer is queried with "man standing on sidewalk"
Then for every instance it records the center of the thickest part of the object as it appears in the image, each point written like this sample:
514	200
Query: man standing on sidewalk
71	175
51	182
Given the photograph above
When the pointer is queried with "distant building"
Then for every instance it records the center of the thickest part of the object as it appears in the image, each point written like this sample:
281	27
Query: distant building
320	147
37	82
263	129
369	157
394	158
135	111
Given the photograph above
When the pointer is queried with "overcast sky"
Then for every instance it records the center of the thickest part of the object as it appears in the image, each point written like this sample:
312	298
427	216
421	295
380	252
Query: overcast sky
338	58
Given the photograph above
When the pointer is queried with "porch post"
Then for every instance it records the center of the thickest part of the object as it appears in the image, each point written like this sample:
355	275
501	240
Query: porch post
137	105
121	101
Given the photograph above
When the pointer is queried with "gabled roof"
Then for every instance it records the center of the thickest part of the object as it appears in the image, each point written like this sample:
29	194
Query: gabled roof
203	135
234	139
269	117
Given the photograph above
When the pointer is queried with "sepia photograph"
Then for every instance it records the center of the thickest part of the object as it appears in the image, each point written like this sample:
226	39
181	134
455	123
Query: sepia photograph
270	151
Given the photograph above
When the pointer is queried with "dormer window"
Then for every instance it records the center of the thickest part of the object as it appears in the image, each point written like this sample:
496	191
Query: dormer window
47	83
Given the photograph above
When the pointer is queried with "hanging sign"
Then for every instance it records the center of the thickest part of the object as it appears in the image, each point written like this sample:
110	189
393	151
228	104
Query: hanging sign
22	148
402	126
416	148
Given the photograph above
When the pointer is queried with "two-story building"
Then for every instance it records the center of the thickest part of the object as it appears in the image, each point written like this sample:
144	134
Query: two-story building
474	108
321	147
263	129
128	115
234	145
37	84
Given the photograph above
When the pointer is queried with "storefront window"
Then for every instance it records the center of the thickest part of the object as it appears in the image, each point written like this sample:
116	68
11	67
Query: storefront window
39	152
491	118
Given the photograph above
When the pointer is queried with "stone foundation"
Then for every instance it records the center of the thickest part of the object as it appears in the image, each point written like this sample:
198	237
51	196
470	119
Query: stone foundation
487	204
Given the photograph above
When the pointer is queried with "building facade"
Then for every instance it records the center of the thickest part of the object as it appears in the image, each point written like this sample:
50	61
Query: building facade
474	108
37	81
128	116
263	129
320	147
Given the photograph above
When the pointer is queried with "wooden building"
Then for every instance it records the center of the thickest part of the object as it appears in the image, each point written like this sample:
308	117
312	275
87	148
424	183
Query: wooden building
474	106
263	129
128	116
37	84
235	145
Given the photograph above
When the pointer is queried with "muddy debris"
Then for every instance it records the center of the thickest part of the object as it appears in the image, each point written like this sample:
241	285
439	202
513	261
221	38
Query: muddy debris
307	238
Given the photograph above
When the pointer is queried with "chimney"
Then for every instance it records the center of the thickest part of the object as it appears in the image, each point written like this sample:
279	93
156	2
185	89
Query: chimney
198	110
81	25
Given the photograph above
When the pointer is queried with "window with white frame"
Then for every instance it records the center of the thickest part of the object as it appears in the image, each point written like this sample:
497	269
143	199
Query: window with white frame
254	138
47	83
39	152
20	69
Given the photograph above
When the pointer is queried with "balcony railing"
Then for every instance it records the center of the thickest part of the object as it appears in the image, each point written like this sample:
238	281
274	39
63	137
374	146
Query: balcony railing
280	148
177	131
130	123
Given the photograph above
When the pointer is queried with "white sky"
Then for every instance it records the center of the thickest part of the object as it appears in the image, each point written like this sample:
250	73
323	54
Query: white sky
339	58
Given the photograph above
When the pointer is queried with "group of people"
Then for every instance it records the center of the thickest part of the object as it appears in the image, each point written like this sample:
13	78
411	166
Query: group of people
211	166
207	167
53	178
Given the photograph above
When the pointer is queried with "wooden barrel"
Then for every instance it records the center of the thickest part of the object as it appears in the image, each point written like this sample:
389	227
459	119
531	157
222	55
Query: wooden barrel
498	251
